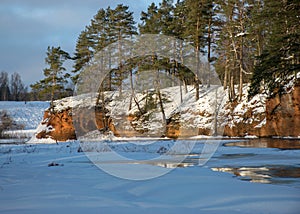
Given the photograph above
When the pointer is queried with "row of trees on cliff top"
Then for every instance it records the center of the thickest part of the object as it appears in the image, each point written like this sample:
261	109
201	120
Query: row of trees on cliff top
253	41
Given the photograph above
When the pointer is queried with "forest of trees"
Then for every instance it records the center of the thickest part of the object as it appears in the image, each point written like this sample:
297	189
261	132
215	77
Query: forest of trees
247	41
12	88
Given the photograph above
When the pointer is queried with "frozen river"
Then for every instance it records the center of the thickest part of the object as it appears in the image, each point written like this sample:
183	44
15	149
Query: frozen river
243	176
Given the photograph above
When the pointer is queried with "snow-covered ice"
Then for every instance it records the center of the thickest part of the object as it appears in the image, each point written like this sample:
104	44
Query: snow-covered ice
51	178
59	178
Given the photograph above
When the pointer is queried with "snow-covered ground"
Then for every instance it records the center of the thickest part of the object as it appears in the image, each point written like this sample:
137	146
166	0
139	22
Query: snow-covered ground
51	178
28	115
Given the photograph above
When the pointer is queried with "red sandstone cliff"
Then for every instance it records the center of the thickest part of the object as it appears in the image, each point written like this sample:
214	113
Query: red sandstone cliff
281	117
283	114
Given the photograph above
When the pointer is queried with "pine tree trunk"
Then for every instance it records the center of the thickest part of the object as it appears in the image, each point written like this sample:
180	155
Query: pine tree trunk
209	49
197	74
198	63
101	88
101	96
241	84
105	125
109	81
120	64
133	97
241	69
226	75
160	98
185	86
216	114
53	91
197	88
182	63
241	54
232	89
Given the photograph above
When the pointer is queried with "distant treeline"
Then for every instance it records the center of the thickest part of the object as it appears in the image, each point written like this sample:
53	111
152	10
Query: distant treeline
12	88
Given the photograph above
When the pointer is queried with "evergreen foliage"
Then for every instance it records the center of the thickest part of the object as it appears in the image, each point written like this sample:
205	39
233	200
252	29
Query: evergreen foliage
83	53
53	85
248	41
280	59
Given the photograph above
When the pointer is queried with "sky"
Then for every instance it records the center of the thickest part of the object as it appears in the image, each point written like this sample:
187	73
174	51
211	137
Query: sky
28	27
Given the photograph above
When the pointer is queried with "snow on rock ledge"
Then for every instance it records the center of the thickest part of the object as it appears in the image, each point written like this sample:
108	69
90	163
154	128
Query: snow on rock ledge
283	114
278	116
262	117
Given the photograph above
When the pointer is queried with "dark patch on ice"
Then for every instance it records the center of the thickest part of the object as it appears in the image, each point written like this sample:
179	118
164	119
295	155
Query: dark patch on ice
54	164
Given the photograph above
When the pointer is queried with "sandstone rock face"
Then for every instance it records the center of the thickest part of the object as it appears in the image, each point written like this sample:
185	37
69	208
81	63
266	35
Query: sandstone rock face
283	114
59	126
86	120
281	118
175	130
246	126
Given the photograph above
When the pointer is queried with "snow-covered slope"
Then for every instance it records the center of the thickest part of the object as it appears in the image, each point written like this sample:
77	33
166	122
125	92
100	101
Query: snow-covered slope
185	116
190	117
29	114
255	108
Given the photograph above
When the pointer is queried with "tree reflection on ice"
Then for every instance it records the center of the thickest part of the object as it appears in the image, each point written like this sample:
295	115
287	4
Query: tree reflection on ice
268	143
263	174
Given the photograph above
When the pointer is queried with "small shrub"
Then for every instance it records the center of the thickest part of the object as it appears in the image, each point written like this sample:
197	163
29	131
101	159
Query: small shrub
6	122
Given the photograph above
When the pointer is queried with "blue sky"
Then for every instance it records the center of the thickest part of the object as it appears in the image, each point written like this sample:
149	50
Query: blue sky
28	27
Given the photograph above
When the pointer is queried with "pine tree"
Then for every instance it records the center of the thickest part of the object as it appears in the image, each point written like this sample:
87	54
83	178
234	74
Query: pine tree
83	53
99	30
166	16
122	25
258	28
53	85
211	33
195	33
107	26
179	28
235	46
280	59
155	21
150	21
96	36
102	36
